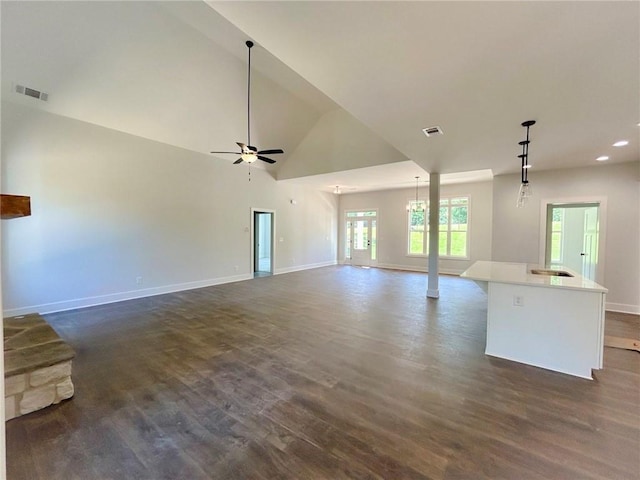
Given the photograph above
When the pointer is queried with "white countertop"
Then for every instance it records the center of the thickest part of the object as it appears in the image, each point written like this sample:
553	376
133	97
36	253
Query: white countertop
520	274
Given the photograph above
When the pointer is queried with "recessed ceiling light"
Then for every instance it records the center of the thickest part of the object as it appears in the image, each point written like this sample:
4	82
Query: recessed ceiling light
621	143
602	158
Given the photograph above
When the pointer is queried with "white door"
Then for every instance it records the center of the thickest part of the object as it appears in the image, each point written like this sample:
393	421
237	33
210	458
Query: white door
590	243
360	238
361	246
572	237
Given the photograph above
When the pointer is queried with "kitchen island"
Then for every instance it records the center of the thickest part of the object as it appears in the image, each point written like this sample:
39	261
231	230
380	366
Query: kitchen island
551	318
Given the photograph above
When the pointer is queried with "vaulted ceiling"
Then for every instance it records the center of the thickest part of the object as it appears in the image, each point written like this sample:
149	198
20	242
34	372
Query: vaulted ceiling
342	85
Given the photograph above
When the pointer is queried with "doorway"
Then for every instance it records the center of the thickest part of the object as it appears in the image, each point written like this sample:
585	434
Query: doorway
573	237
262	243
361	238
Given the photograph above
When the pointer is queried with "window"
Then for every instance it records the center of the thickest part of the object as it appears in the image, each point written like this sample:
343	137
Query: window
453	231
417	230
367	213
557	220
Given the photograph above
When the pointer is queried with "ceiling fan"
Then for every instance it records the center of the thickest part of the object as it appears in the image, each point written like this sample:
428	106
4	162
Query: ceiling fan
248	153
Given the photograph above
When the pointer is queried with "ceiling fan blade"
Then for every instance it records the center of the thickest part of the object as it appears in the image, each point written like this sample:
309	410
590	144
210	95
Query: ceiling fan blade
252	148
265	159
234	153
242	146
238	161
271	152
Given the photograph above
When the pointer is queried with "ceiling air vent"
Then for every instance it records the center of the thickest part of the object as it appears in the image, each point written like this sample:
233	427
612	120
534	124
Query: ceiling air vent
432	131
31	92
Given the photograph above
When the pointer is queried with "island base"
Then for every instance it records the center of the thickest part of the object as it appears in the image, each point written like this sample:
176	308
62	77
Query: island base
556	329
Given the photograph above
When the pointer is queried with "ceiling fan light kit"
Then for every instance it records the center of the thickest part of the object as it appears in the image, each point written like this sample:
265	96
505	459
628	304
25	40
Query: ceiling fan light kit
249	157
248	153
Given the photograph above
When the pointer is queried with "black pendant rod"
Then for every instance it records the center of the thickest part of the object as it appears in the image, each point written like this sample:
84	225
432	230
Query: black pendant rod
525	152
526	157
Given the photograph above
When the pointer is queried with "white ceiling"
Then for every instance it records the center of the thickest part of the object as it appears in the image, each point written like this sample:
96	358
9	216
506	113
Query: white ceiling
175	72
477	69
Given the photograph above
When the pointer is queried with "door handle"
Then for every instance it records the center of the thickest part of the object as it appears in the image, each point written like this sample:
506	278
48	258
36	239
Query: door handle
583	254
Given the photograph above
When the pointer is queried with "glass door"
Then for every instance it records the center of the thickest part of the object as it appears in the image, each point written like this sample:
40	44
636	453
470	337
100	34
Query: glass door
360	238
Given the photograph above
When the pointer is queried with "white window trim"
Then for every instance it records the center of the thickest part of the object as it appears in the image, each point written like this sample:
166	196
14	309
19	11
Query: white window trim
444	257
542	232
347	260
408	225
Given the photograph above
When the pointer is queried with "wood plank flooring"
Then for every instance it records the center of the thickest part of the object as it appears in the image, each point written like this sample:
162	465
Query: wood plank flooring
333	373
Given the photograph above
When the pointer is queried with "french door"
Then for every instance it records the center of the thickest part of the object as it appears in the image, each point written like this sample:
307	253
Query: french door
360	238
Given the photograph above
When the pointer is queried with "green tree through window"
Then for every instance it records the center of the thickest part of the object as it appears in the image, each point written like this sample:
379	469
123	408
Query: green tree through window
453	221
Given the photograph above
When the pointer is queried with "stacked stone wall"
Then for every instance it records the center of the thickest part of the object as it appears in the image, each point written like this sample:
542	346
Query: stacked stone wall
28	392
37	366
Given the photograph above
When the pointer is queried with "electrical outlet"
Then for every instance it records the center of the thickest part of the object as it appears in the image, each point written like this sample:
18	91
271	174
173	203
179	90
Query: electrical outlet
237	268
138	280
518	301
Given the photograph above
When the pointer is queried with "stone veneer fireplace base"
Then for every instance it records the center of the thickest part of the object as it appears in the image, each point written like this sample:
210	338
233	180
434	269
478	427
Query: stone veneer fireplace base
37	366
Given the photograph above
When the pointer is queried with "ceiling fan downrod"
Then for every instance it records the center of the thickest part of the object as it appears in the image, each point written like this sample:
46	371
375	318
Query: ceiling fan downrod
249	44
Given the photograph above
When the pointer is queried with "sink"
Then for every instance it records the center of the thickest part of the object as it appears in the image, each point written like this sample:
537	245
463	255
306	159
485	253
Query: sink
551	273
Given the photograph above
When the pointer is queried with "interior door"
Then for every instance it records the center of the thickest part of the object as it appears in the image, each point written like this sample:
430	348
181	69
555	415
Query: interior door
590	243
572	237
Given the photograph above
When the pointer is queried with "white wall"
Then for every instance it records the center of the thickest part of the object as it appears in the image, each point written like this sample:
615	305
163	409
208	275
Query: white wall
108	207
516	232
392	224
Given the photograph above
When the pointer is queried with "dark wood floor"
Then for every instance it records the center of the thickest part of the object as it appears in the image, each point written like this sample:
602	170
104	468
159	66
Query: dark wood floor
333	373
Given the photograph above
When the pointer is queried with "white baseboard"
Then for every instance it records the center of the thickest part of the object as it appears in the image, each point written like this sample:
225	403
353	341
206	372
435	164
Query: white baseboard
147	292
119	297
622	308
424	269
298	268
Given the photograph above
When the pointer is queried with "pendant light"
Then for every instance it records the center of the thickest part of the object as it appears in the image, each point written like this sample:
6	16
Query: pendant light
417	206
525	189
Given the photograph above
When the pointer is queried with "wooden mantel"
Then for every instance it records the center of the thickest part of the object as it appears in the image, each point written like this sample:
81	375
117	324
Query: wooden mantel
14	206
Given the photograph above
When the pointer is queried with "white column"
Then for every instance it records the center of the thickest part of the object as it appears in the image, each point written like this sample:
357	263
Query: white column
434	215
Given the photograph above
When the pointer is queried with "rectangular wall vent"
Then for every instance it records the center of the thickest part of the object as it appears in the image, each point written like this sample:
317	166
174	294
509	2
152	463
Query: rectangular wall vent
32	92
431	131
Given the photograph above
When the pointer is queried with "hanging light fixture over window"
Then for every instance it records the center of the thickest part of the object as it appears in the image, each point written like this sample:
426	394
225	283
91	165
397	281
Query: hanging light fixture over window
337	190
525	189
417	205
